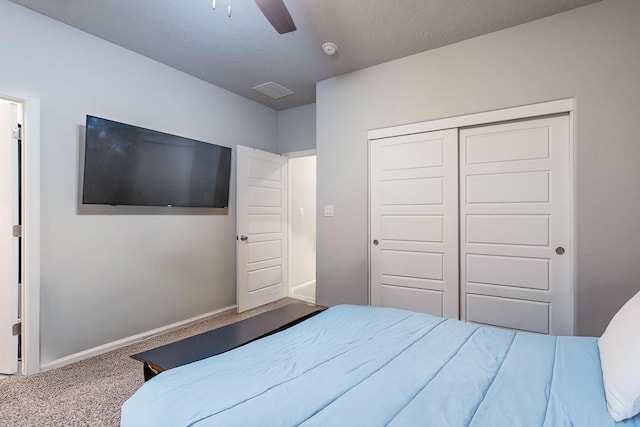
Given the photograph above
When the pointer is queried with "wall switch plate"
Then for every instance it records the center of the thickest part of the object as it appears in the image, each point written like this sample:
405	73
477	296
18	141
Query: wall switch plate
301	212
328	210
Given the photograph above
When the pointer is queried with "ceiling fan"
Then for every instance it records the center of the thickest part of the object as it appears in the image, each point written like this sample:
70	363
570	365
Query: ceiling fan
276	13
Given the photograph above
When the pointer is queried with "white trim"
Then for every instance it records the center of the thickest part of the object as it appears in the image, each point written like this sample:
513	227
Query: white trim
289	222
76	357
486	117
31	238
311	300
304	298
304	153
309	283
572	206
369	237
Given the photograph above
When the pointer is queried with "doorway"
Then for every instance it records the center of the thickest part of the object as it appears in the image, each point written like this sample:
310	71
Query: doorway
302	228
276	227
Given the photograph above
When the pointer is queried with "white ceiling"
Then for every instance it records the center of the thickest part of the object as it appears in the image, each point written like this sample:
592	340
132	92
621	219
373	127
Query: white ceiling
243	51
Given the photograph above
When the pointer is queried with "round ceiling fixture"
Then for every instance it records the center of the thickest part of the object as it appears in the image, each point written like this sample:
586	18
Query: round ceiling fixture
329	48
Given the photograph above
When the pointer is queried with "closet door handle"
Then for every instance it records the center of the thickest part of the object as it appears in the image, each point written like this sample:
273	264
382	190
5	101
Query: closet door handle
559	250
244	238
375	243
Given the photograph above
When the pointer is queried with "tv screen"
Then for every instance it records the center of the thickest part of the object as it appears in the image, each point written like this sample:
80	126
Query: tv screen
129	165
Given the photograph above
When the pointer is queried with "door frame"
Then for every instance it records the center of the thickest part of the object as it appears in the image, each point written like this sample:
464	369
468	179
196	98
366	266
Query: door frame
30	289
561	106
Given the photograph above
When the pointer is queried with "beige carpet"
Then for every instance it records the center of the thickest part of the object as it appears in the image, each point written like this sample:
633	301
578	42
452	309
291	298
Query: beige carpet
90	392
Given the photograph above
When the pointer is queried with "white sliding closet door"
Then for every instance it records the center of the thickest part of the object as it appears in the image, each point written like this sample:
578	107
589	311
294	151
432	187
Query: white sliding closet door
414	222
515	222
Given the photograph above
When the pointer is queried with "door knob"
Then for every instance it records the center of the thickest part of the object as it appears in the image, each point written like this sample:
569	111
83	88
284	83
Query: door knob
559	250
375	242
244	238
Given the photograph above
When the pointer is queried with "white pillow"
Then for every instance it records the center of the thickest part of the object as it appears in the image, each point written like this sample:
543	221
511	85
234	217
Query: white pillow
620	361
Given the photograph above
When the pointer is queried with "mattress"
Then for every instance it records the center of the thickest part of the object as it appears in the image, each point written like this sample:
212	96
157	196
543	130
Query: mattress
371	366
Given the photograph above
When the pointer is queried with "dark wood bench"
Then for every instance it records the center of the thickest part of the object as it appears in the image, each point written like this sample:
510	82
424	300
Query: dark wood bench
223	339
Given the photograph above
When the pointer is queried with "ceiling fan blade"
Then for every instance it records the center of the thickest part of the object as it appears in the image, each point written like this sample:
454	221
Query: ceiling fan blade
277	14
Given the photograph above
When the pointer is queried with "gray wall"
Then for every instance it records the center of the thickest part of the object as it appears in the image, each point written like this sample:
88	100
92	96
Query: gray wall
297	129
107	277
591	53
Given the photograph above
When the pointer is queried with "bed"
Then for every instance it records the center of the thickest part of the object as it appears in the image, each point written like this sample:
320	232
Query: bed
371	366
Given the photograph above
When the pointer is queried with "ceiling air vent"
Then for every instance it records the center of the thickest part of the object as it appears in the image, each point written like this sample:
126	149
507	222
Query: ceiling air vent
273	90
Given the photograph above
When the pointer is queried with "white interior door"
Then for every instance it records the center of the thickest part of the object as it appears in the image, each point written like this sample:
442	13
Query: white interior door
414	222
261	180
515	225
8	243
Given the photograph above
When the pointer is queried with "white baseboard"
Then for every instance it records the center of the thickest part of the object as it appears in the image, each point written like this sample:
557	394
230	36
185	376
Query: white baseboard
76	357
292	292
304	298
309	283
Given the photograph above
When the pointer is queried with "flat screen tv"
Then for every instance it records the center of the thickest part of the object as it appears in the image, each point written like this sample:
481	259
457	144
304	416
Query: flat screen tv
129	165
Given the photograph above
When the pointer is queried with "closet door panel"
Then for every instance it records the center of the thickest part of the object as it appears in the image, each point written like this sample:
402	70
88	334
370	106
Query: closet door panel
527	142
508	188
421	153
412	192
518	314
407	298
524	229
515	210
414	228
412	264
418	228
514	271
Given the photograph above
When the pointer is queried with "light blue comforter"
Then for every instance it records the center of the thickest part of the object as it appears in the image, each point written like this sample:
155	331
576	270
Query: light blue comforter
368	366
